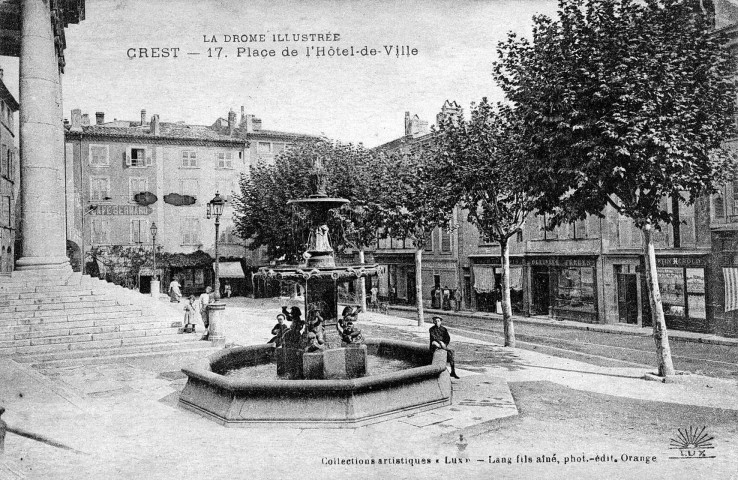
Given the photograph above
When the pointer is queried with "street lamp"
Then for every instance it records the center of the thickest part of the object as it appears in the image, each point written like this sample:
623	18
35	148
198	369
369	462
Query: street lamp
154	229
215	209
155	286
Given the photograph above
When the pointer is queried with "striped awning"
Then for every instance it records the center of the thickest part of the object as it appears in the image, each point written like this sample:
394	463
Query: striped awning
730	275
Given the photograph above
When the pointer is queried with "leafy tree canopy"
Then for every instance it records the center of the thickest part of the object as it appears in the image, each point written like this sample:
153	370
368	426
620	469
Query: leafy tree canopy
263	215
623	102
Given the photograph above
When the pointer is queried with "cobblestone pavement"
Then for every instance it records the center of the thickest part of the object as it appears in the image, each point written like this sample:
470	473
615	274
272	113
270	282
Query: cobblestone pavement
125	420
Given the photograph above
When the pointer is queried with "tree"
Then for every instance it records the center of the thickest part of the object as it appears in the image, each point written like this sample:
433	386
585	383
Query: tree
624	103
263	216
406	201
487	175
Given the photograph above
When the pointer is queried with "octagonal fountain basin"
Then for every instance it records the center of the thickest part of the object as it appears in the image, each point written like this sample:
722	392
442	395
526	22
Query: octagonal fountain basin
240	400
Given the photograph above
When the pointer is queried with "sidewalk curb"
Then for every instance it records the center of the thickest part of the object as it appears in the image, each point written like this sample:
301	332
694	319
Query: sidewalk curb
602	328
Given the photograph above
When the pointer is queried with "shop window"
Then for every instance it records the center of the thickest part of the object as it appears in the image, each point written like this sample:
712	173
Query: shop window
671	285
428	246
696	293
575	288
189	278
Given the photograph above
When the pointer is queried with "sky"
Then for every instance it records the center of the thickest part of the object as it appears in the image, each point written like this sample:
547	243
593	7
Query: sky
353	99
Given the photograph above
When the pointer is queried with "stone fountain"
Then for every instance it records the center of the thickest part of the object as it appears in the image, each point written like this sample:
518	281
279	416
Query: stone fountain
319	387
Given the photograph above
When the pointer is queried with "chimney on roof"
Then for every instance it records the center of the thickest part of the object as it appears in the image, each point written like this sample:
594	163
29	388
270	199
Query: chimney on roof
85	119
76	120
249	123
243	115
155	127
231	122
143	117
99	118
407	124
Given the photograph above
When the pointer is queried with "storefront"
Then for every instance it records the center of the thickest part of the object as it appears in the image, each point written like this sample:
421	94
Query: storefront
231	274
683	294
487	284
564	288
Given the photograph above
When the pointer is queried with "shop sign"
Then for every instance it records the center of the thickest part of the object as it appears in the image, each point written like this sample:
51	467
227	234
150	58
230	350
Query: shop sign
121	210
681	262
563	262
496	261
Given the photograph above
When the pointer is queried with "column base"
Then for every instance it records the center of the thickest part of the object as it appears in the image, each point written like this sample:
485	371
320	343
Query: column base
42	263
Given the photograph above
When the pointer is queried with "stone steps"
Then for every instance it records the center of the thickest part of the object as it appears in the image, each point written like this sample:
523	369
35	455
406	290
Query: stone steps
107	354
71	345
86	327
58	316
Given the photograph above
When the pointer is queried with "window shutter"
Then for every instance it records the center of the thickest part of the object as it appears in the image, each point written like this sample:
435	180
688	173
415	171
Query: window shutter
149	159
132	236
128	157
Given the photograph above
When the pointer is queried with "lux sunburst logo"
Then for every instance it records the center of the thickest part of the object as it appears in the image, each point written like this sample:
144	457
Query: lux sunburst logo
692	443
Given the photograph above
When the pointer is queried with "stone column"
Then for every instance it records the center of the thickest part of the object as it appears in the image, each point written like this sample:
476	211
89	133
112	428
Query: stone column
42	153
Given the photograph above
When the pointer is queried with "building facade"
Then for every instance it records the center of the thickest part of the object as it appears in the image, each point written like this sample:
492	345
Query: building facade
128	175
9	178
588	271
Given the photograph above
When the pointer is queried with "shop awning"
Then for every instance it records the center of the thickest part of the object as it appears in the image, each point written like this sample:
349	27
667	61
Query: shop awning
230	270
484	278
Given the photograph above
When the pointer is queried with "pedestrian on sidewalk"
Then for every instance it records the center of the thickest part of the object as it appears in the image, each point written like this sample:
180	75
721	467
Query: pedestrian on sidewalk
205	299
446	298
191	312
175	292
439	339
457	299
437	297
374	299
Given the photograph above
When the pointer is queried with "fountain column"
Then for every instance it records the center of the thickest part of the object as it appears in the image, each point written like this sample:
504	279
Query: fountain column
43	227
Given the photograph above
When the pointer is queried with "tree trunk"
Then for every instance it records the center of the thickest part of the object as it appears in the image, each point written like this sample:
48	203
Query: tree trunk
419	285
660	336
362	282
507	320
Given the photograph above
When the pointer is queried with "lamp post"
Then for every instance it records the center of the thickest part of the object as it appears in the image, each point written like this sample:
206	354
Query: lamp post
215	309
155	285
215	209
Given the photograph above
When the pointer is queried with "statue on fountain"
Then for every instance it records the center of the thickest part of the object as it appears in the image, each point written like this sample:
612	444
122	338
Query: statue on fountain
322	244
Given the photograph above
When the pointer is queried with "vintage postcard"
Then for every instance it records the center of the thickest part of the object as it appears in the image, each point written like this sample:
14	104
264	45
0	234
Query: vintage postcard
382	239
